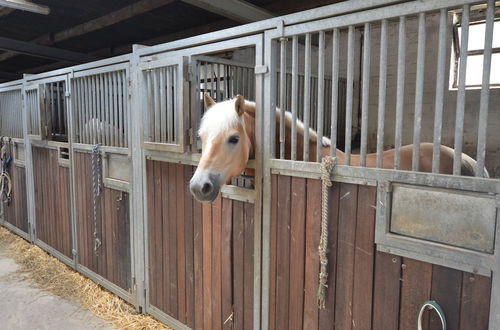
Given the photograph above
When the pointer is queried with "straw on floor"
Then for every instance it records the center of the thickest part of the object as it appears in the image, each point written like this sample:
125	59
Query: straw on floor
51	275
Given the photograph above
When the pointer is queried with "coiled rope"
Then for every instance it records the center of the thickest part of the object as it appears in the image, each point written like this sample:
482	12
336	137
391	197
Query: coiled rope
96	191
327	165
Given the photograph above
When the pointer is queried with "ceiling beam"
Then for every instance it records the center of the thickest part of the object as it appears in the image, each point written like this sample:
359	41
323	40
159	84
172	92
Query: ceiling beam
237	10
4	11
95	24
26	6
28	48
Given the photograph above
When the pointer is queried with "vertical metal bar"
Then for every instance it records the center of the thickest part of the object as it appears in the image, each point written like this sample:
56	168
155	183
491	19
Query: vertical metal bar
163	106
294	94
365	91
217	81
321	95
88	127
212	81
381	93
95	115
485	90
107	111
419	91
349	94
307	95
459	118
335	92
149	103
115	109
400	90
282	96
156	106
121	109
440	84
170	109
102	110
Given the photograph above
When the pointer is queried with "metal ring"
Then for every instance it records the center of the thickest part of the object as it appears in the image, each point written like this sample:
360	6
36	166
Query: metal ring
432	305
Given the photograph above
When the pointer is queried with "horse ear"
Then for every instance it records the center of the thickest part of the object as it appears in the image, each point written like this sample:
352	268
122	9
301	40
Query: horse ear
239	105
208	100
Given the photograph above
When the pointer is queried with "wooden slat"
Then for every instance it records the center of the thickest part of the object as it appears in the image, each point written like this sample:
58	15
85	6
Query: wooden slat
172	238
198	263
189	247
159	277
415	290
386	291
207	266
446	291
345	255
283	252
475	304
226	271
248	266
238	255
364	257
108	227
216	263
313	216
181	245
297	250
163	252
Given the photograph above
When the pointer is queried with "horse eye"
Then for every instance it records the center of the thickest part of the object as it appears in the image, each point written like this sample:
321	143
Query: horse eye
233	139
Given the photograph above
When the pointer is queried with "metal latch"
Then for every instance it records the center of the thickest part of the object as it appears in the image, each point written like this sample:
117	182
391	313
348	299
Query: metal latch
260	69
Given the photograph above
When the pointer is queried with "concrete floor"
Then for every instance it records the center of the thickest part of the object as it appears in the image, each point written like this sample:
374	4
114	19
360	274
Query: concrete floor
23	307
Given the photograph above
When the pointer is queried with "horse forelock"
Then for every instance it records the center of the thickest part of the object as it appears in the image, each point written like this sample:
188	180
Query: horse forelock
218	119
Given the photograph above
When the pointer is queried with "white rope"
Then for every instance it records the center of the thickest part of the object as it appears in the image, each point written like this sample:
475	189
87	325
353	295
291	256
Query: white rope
96	191
327	165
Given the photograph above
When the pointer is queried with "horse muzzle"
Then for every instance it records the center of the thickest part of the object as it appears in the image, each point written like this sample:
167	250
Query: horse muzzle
205	186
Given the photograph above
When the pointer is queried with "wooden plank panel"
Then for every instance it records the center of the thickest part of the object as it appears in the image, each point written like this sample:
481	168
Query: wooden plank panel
475	302
157	262
313	221
364	257
172	239
163	217
226	263
150	177
386	291
124	248
273	252
327	315
297	250
216	263
238	268
446	291
108	233
248	266
207	265
283	252
415	290
198	231
181	244
345	255
189	243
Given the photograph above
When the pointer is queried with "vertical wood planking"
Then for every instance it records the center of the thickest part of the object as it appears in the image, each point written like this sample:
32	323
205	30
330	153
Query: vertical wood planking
226	259
446	291
248	266
475	301
345	255
189	247
415	290
198	243
172	238
386	291
273	251
297	250
283	252
216	262
364	256
238	255
313	216
207	265
181	242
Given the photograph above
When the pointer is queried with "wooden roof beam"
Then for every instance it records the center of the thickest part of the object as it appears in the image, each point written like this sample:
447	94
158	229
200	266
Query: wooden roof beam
26	5
28	48
236	10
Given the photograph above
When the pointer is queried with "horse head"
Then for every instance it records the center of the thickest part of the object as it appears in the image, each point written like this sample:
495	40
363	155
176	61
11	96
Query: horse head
227	137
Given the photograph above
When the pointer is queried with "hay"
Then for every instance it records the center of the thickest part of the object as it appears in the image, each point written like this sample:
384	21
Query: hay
51	275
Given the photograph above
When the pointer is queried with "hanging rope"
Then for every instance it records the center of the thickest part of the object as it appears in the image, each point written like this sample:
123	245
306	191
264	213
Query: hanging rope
96	191
327	165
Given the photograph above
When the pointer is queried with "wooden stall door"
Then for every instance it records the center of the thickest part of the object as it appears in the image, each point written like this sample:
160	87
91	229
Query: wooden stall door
52	200
112	258
367	289
16	212
200	255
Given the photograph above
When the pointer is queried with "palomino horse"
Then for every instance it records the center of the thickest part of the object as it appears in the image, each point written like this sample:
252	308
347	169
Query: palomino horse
227	133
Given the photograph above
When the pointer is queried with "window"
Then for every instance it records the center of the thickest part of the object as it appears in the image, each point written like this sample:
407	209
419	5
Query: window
475	53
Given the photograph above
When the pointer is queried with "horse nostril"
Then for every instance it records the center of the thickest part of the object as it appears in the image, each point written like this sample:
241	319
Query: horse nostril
207	188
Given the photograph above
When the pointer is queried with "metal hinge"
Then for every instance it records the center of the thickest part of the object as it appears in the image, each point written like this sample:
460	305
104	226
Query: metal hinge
67	94
74	252
260	69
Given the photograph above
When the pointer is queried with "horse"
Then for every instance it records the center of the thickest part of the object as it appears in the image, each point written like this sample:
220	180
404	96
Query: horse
227	133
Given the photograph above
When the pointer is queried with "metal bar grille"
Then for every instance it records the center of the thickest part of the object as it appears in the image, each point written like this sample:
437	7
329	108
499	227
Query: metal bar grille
11	123
100	106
